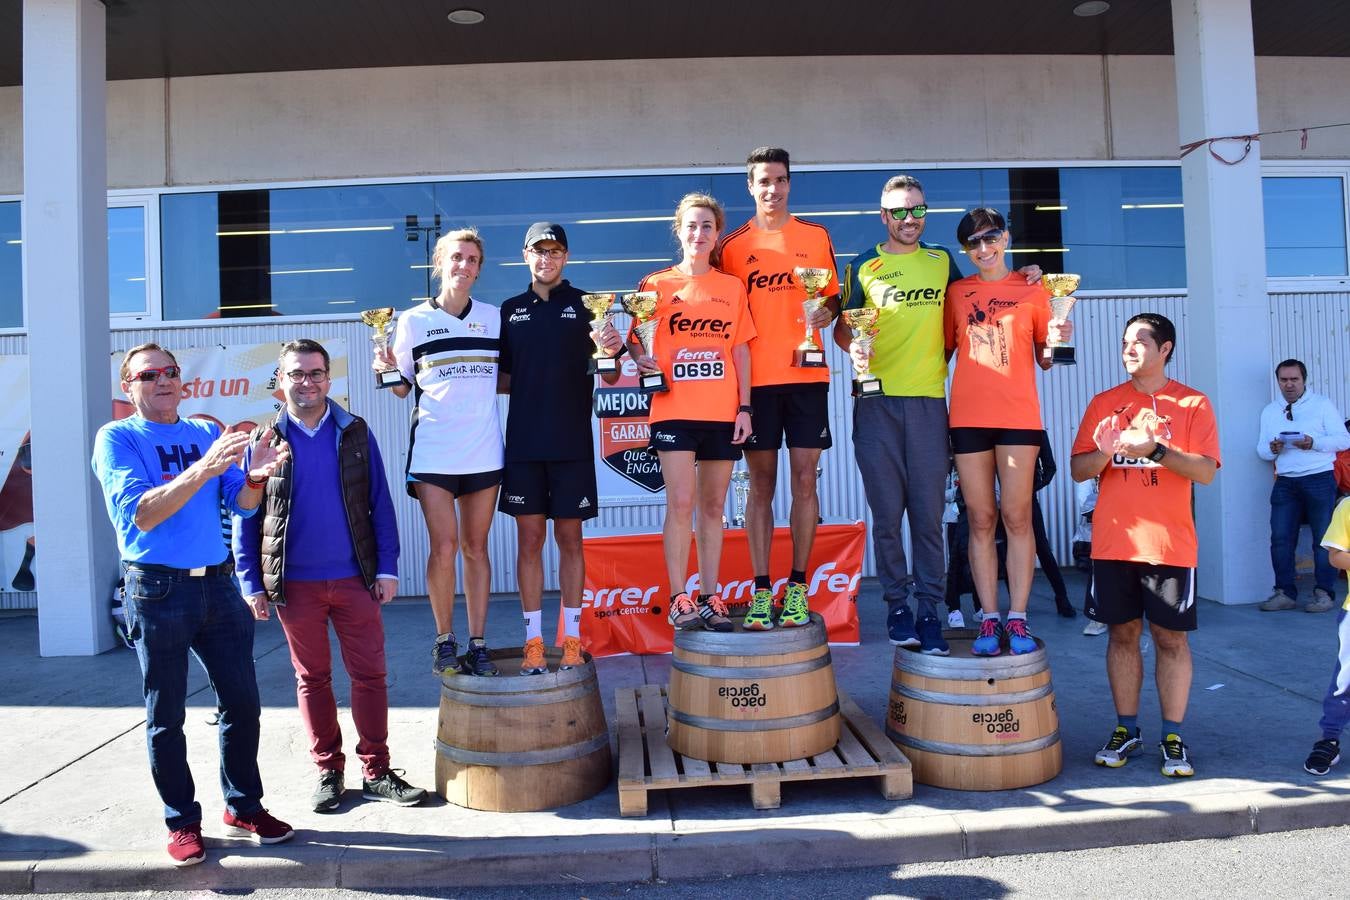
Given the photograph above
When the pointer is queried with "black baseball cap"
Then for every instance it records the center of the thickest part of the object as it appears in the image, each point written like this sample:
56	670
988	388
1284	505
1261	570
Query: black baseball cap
545	231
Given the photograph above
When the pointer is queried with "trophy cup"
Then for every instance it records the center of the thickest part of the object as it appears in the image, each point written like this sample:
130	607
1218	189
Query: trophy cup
863	323
641	305
379	320
598	305
808	353
740	480
1060	287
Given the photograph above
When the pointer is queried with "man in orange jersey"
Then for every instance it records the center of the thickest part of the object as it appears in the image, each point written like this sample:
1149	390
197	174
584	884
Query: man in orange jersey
789	400
1148	440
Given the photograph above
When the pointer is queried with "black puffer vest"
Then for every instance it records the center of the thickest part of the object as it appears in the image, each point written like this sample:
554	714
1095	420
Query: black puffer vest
354	466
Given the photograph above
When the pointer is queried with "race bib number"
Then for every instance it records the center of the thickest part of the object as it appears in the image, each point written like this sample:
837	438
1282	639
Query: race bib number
701	370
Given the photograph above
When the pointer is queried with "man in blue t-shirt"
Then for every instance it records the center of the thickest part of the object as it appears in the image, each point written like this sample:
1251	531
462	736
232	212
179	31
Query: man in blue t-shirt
164	480
326	549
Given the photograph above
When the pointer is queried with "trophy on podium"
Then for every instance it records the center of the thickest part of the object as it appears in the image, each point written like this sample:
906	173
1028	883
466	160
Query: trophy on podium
641	305
598	305
1060	286
808	353
740	481
379	320
863	323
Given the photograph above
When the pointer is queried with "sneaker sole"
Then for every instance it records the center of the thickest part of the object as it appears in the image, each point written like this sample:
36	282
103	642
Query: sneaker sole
232	831
379	799
326	807
936	651
757	626
190	861
911	643
1111	764
1326	771
542	670
1177	774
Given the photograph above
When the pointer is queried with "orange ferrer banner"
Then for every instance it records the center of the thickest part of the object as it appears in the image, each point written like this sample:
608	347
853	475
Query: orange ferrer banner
625	601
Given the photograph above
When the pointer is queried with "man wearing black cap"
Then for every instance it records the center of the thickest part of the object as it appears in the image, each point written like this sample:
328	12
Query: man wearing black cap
546	343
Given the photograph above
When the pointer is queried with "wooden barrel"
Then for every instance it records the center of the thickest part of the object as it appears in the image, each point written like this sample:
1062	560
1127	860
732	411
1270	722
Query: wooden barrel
522	743
753	696
975	723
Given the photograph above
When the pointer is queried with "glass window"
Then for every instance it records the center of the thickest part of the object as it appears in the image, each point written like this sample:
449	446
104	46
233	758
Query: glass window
11	267
127	290
1305	226
1123	227
294	251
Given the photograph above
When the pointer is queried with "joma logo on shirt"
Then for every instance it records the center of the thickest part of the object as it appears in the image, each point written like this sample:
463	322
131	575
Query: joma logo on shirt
435	331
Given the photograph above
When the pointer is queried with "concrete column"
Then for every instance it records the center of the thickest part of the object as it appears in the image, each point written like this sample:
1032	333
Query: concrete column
1228	321
65	286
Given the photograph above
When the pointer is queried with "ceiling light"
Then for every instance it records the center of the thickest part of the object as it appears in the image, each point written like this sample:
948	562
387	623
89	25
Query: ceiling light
1087	8
465	16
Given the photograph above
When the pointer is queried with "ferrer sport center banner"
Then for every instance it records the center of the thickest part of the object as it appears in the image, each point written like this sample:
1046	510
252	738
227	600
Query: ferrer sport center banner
625	597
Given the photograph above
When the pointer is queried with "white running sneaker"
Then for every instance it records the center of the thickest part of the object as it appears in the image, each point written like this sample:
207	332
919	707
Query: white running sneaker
955	619
1093	627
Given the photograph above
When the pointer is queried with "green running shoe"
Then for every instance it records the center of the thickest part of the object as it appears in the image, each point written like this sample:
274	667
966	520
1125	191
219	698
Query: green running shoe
795	611
760	615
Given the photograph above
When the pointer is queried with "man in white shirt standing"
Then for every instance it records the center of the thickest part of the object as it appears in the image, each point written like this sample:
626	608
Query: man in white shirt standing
1301	432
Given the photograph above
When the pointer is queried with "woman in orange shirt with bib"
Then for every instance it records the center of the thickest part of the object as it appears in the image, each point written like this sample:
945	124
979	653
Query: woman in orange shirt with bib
997	325
700	423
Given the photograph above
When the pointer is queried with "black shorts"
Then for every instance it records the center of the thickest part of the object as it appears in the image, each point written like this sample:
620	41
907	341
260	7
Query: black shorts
1122	591
981	440
708	440
459	485
801	413
559	489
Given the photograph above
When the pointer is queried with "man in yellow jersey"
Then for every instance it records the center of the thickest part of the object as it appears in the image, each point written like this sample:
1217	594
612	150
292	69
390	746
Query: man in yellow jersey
900	437
789	400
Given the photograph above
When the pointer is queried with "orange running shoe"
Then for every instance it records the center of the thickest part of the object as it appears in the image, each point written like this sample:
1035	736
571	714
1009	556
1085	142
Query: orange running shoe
571	658
534	663
684	612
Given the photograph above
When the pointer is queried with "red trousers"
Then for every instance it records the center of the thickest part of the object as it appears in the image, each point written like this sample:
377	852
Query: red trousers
355	615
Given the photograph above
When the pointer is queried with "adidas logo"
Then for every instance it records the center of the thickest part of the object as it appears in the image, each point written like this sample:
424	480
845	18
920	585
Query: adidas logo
676	299
825	432
752	258
585	503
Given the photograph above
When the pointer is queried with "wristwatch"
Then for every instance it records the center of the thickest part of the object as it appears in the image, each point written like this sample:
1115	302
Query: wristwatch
746	408
1159	451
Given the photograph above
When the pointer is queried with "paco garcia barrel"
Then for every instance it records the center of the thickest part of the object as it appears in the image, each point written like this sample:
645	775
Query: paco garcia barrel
753	696
522	743
975	723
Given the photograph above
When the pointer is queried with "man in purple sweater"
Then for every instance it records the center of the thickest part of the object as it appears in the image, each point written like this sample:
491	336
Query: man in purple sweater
295	557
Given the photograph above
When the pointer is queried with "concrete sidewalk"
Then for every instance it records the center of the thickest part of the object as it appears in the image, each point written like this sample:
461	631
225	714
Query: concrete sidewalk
78	811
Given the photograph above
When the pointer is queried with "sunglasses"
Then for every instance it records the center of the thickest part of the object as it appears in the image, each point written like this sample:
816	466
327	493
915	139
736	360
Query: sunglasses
988	237
899	213
1289	411
170	372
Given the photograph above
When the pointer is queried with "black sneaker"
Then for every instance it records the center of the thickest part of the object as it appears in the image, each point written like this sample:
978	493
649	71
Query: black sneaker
1325	754
900	627
445	654
391	788
478	661
930	637
328	794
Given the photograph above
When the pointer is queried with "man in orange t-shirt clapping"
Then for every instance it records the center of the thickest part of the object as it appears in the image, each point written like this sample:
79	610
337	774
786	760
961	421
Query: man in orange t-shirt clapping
1149	440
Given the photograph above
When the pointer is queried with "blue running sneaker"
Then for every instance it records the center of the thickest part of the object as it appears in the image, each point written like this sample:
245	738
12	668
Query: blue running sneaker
988	643
900	627
930	637
445	654
1019	641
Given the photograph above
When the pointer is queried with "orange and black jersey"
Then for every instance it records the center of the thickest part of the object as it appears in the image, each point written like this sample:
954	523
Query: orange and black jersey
763	262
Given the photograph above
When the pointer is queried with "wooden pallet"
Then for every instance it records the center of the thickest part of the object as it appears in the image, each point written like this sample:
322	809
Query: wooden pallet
646	762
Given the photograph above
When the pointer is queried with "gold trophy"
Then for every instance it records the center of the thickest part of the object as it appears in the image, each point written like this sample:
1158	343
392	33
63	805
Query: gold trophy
863	323
598	305
379	320
641	305
808	353
1060	286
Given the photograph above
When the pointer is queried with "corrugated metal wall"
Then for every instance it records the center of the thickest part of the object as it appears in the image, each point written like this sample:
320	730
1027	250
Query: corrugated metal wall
1311	326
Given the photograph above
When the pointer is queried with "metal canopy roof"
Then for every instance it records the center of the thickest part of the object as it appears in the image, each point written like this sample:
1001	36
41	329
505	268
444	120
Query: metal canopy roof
158	38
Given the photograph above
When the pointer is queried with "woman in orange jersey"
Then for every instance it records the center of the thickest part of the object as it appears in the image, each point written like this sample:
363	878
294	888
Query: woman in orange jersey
698	425
997	325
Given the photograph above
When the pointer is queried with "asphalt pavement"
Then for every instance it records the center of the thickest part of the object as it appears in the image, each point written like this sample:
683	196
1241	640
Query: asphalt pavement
78	811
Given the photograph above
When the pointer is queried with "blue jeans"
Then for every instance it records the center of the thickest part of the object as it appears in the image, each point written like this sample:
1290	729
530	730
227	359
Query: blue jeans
168	617
1294	500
